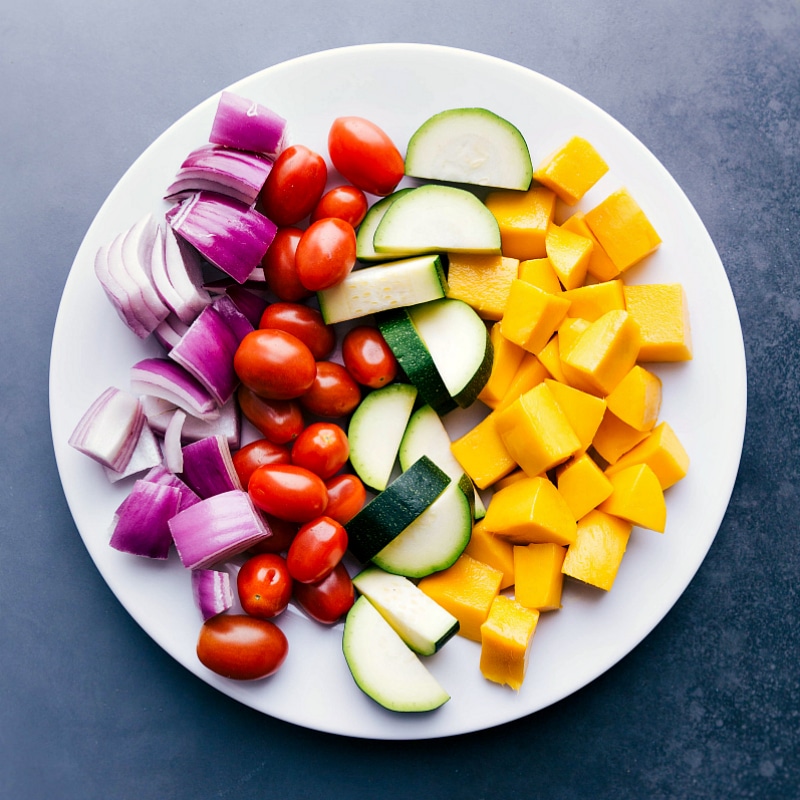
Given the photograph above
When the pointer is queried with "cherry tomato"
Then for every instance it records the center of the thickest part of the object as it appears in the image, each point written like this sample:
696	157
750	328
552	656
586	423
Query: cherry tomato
282	534
280	421
345	202
365	155
274	364
304	322
288	492
262	451
346	497
241	647
279	266
368	358
294	185
323	448
316	550
326	253
333	393
328	600
264	584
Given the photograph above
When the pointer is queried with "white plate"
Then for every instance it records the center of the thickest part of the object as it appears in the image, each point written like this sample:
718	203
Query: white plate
399	86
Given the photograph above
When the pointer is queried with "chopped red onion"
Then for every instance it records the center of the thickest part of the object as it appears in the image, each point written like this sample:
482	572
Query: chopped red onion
146	455
161	475
170	331
208	467
227	233
117	291
141	523
173	451
212	591
217	528
136	254
161	377
228	424
185	273
246	125
249	303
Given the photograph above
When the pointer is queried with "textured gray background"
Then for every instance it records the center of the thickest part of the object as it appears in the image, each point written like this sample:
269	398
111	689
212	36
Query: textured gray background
706	707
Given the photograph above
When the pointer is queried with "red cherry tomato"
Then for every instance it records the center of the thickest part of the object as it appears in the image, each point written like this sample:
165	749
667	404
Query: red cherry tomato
288	492
316	550
282	534
345	202
330	599
274	364
365	155
304	322
262	451
279	266
333	393
323	448
326	253
294	185
264	584
280	421
368	358
241	647
346	497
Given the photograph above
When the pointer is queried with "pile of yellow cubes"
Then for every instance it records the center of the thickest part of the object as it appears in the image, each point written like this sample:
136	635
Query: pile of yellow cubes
572	447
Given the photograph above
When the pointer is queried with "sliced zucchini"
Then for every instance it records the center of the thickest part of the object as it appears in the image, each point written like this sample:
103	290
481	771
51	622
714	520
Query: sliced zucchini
434	218
376	430
370	290
434	540
470	145
389	513
421	622
365	250
383	666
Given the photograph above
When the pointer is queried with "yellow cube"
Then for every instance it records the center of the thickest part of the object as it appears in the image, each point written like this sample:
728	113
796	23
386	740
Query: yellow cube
637	497
550	356
592	301
482	281
599	546
571	170
662	313
531	372
512	477
532	315
488	548
662	451
538	576
507	357
568	332
583	411
600	266
523	218
482	453
506	638
614	438
569	254
582	484
636	399
540	272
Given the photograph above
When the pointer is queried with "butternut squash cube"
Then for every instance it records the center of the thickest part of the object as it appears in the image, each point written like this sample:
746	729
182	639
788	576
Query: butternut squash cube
467	590
600	266
582	484
550	356
530	511
637	497
603	354
662	451
636	399
569	254
662	314
571	170
489	549
536	432
538	576
523	218
482	281
583	411
506	360
614	438
531	372
532	315
540	272
623	229
599	546
506	638
592	301
482	453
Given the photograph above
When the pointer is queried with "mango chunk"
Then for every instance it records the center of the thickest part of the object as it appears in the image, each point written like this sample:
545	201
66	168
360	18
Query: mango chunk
600	266
590	302
512	477
532	315
568	332
569	254
531	372
662	314
662	451
506	360
482	453
550	356
506	638
614	438
600	544
490	549
636	399
637	497
530	511
582	484
467	590
623	229
538	577
482	281
571	170
536	432
523	218
583	411
540	272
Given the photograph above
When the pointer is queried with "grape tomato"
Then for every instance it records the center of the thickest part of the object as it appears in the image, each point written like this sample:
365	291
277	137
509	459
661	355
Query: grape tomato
304	322
326	253
323	448
318	547
333	392
288	492
346	497
368	357
247	459
348	203
264	585
294	185
328	600
280	269
280	421
275	364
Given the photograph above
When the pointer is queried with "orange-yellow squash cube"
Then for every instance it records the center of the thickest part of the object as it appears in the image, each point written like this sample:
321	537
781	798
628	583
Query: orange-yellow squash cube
482	281
572	169
662	451
490	549
583	411
662	314
532	315
569	254
582	484
592	301
523	218
636	399
506	638
600	266
506	360
599	546
531	372
538	577
540	272
637	497
614	438
482	453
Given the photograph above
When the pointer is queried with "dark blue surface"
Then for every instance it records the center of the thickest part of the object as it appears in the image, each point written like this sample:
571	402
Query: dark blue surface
708	706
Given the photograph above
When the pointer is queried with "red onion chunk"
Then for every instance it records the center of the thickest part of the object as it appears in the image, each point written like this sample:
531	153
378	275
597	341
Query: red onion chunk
110	428
173	452
237	320
161	377
184	272
217	528
141	525
212	591
119	293
208	467
137	253
227	233
146	455
234	173
249	303
246	125
228	424
161	475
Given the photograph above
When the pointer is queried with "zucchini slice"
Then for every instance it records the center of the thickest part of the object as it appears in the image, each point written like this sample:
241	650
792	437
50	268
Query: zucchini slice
365	251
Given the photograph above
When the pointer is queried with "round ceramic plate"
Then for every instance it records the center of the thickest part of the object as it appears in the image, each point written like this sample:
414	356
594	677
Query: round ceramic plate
399	86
